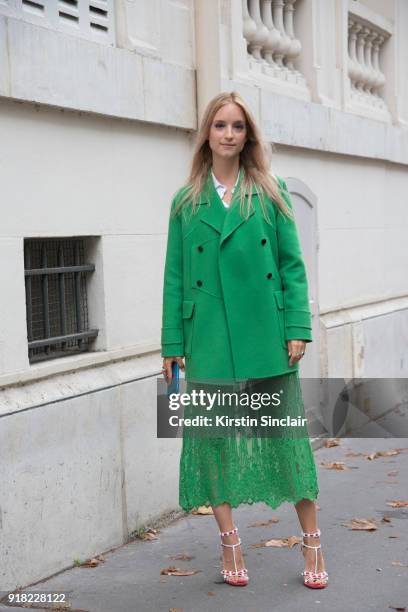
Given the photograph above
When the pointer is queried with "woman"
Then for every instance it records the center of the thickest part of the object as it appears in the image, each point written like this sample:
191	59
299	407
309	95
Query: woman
235	306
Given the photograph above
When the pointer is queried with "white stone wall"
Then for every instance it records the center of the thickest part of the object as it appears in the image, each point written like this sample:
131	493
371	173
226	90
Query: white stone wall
142	74
79	433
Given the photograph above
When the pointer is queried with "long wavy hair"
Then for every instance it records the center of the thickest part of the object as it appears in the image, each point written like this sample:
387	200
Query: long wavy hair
255	160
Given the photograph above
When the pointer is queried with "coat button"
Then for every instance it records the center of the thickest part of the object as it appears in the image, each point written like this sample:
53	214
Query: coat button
200	248
269	275
199	283
263	241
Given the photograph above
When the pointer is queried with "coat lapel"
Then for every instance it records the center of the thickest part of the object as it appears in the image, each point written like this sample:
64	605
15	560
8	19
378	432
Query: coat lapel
234	219
224	221
214	212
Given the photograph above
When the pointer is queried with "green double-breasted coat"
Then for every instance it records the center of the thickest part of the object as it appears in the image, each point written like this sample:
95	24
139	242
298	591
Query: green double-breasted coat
235	290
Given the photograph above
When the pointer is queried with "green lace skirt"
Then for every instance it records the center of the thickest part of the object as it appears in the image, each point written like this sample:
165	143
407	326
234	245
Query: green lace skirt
244	464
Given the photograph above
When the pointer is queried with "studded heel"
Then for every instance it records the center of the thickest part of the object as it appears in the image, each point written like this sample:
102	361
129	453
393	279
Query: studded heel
234	577
314	580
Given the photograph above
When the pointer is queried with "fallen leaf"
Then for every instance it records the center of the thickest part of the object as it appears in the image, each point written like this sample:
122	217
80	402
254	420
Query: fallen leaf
398	608
279	543
393	536
292	540
202	510
335	465
181	557
264	523
176	571
90	563
210	593
332	442
397	503
393	473
150	534
398	563
362	524
386	519
352	454
175	610
388	453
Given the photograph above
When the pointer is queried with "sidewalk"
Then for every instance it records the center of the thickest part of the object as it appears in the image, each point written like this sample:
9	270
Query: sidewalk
361	574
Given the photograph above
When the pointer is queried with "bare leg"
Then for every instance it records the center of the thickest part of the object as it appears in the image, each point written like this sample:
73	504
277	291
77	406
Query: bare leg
223	516
306	511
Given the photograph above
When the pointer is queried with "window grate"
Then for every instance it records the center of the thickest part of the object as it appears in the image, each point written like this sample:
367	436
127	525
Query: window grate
56	297
91	19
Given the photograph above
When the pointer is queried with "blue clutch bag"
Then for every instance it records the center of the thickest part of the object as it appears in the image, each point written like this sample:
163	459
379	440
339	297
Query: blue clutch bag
174	386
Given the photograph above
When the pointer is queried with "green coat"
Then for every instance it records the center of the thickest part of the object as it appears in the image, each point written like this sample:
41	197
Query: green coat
235	290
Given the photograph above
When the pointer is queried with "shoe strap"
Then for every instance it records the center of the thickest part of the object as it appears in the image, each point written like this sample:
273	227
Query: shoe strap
232	545
227	533
314	534
242	572
308	546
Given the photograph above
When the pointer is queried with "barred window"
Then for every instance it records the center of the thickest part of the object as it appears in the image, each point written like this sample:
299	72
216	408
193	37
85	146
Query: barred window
56	297
91	19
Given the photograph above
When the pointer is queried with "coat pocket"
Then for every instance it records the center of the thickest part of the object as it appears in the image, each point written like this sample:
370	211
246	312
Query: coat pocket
188	322
281	316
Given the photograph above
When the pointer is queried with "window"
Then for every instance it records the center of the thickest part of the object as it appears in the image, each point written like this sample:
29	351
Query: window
56	297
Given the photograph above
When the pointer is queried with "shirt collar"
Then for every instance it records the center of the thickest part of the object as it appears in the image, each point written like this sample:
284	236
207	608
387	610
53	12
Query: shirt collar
218	184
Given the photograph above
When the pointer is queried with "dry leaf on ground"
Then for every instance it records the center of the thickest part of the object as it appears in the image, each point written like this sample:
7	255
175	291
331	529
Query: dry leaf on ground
387	453
264	523
177	571
397	503
352	454
393	473
202	510
149	534
398	608
94	562
332	442
334	465
362	524
386	519
181	557
279	543
398	563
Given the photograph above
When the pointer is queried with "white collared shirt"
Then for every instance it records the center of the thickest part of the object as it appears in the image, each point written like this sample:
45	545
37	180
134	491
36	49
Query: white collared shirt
221	189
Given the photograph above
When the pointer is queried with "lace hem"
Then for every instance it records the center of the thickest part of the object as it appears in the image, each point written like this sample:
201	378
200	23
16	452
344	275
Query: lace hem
274	504
239	469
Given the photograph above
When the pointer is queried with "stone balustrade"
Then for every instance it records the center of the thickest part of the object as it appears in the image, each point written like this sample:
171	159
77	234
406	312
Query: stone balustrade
367	80
268	29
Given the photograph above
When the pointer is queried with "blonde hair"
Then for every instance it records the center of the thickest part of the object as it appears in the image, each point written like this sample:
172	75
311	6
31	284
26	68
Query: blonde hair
254	160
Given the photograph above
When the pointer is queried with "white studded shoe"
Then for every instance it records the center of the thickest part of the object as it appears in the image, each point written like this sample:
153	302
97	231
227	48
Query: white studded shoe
234	577
314	580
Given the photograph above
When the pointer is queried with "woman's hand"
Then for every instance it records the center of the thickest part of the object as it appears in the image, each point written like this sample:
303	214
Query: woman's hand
296	350
167	361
